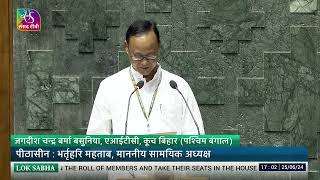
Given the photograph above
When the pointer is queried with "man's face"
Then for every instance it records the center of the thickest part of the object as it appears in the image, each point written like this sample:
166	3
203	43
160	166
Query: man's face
142	51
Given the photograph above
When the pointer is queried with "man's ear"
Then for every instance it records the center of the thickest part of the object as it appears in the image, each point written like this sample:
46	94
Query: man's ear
126	46
159	55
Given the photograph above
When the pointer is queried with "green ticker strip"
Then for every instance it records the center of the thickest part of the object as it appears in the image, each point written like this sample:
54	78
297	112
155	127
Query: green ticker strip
35	167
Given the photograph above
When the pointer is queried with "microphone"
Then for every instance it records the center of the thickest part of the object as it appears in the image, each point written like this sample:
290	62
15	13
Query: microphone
139	85
174	85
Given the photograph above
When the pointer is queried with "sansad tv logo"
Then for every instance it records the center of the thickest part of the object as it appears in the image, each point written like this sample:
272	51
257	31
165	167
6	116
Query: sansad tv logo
28	20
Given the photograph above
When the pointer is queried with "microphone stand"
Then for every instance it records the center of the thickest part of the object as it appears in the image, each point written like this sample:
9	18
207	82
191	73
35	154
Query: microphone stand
138	86
174	85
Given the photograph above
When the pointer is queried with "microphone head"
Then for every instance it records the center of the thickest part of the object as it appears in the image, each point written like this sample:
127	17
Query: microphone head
173	84
140	84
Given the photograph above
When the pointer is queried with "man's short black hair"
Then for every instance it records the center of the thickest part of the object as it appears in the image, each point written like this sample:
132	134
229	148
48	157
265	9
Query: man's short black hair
140	27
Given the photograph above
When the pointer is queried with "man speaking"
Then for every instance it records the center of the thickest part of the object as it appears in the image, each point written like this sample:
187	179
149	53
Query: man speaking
144	98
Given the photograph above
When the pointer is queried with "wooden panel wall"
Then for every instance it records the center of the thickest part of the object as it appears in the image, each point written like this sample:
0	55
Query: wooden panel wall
6	108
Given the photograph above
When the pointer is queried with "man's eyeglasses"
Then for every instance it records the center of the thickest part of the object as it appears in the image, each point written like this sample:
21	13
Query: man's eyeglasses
141	57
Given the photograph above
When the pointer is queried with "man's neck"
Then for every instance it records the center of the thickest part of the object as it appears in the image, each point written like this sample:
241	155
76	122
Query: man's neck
151	75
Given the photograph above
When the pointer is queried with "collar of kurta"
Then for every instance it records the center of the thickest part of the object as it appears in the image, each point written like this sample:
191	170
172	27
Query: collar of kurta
152	84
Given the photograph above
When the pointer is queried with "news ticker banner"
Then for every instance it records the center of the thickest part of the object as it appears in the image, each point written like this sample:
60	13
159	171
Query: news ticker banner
102	170
184	148
161	154
159	166
121	140
117	147
64	155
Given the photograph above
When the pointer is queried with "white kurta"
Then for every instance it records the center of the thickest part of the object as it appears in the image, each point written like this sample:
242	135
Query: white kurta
169	112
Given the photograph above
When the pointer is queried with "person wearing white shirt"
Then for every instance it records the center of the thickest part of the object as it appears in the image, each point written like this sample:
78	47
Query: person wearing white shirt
156	108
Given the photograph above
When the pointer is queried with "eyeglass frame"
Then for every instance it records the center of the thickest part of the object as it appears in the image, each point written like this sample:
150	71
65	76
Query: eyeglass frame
157	55
147	57
134	58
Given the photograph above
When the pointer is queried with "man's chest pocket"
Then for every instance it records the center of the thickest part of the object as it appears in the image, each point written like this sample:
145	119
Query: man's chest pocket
170	113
